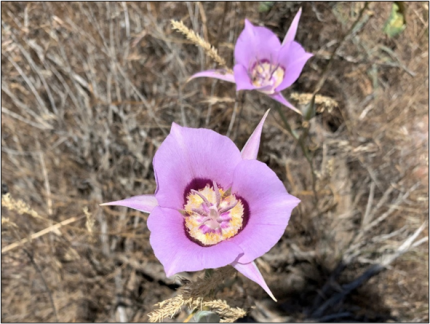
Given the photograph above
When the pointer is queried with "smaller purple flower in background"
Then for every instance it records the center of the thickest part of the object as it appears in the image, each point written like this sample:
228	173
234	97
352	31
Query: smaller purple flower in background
263	63
214	205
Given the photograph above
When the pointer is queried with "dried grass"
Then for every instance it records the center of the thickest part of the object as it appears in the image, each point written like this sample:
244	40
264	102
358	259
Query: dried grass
198	295
198	41
19	206
89	91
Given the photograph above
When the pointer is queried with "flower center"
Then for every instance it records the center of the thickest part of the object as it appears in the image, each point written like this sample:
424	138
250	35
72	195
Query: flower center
266	74
212	215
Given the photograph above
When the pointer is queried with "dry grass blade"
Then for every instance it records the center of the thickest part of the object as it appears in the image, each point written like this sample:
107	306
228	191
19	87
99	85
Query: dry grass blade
19	206
228	314
195	295
47	230
24	120
198	41
171	307
6	222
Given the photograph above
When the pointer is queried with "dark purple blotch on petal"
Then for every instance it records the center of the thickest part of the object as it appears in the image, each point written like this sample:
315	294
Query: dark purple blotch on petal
246	213
196	184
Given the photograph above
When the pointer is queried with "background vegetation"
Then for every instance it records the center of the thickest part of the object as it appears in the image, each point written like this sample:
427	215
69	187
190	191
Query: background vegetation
89	91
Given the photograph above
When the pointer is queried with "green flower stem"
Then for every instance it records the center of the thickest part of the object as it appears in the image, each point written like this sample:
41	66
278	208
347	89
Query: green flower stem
284	120
301	140
208	274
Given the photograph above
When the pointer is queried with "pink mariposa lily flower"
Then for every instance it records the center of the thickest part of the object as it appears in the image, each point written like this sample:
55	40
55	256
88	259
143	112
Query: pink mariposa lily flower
214	205
263	63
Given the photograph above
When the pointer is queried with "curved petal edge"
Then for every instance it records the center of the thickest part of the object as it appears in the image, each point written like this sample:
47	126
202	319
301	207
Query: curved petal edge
291	33
280	98
250	150
216	74
177	253
143	203
251	271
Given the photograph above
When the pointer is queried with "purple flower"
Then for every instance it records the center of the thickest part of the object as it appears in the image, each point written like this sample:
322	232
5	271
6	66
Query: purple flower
214	205
263	63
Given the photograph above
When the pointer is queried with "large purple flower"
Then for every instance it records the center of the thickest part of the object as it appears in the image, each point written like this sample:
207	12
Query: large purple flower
214	205
263	63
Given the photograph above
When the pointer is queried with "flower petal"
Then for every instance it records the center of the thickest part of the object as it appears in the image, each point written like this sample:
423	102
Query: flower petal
293	58
270	207
280	98
189	154
216	74
144	203
177	252
256	43
291	33
242	78
251	271
250	150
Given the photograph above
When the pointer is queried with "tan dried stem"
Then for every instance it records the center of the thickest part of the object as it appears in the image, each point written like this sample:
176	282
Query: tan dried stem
228	314
90	220
210	50
172	306
322	102
7	222
194	296
19	206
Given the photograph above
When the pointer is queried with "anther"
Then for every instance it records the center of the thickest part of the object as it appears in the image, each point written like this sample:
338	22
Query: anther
226	193
226	209
184	212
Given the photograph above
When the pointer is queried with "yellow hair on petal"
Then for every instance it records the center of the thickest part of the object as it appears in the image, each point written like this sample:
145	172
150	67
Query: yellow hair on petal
195	221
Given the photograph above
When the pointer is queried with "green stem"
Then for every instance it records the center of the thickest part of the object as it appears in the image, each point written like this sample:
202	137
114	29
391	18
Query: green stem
208	273
301	141
284	120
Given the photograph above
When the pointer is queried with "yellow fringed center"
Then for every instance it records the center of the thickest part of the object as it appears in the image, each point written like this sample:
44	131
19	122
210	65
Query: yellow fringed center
213	215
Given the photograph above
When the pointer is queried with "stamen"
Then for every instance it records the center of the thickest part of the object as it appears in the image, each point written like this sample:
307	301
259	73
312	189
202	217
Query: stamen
226	209
199	211
223	219
217	194
271	72
206	201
